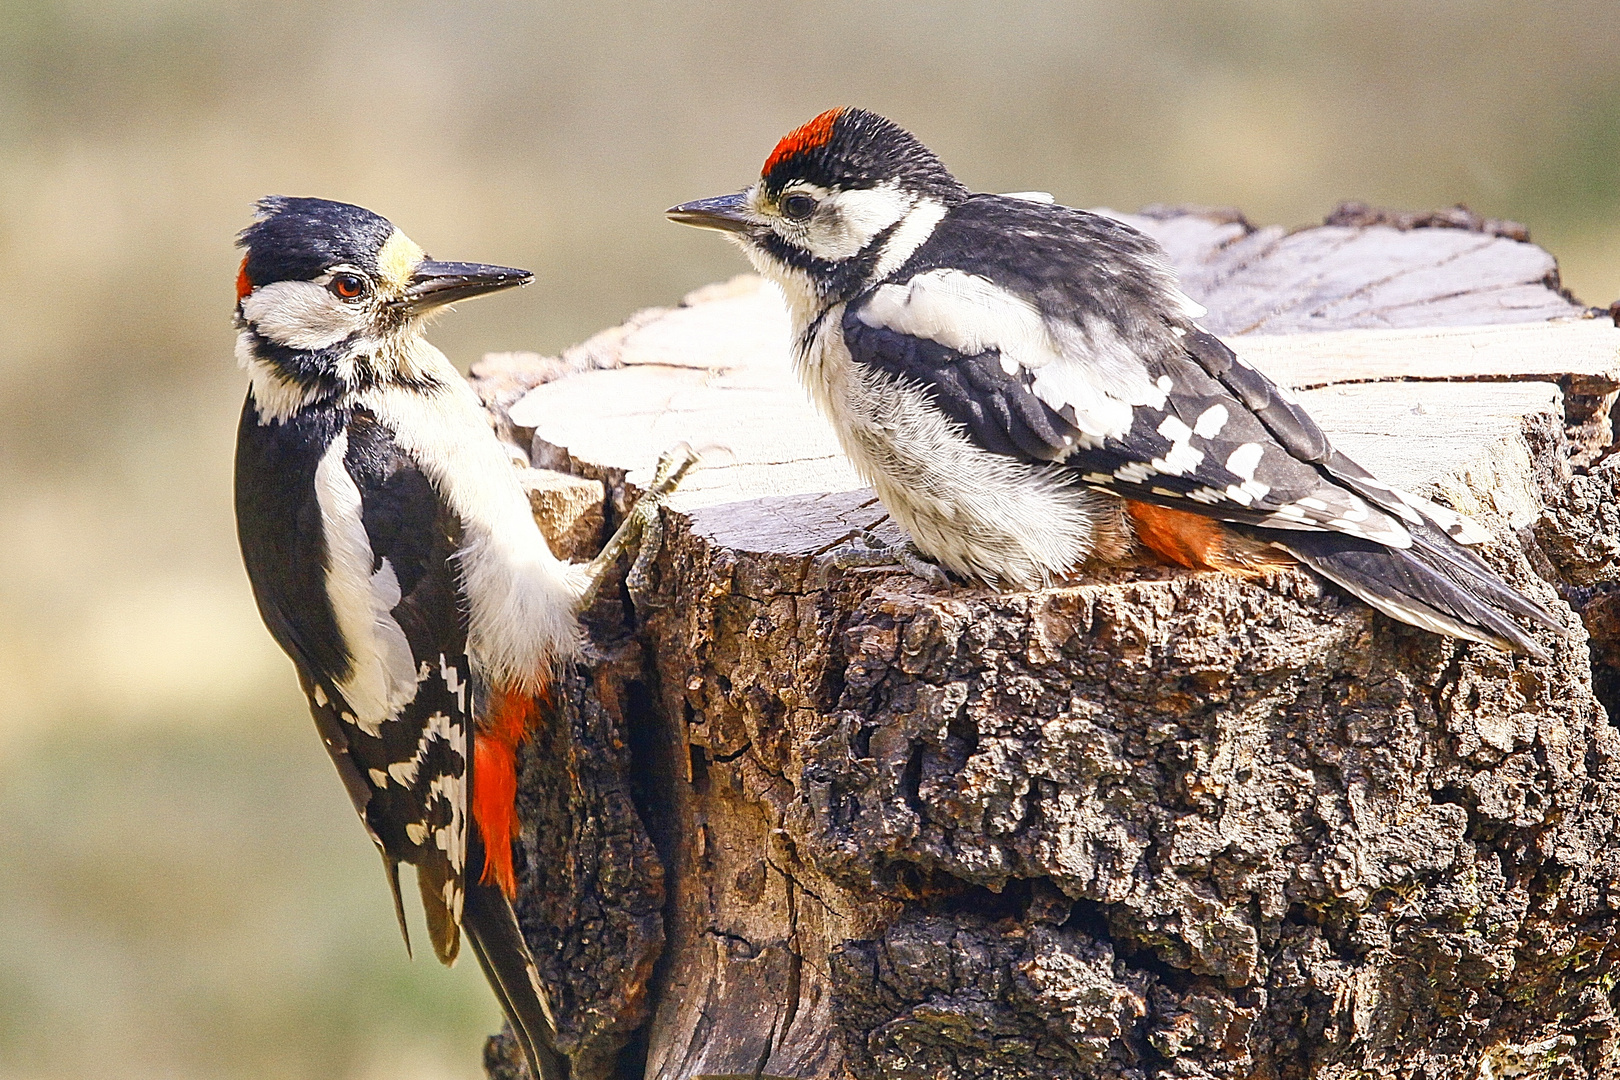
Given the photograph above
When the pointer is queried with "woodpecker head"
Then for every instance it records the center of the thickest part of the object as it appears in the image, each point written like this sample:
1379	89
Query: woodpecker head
332	297
841	203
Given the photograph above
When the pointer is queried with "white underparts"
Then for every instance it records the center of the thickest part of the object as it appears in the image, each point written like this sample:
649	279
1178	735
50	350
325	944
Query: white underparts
382	676
981	515
520	597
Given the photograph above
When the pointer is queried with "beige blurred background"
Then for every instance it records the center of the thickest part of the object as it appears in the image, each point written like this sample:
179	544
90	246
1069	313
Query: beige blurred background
184	892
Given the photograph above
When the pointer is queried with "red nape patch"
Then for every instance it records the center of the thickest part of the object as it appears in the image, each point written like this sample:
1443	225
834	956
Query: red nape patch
808	137
494	789
243	285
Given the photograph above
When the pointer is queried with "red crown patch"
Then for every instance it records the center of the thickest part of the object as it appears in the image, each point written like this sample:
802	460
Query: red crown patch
808	136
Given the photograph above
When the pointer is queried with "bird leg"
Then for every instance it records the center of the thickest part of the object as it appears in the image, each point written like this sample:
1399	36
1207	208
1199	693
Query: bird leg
642	525
864	549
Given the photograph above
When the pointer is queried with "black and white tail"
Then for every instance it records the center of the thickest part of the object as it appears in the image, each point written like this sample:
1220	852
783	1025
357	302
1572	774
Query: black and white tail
1436	584
491	927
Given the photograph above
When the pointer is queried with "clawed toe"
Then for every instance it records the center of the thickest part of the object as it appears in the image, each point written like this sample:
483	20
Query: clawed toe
864	549
642	527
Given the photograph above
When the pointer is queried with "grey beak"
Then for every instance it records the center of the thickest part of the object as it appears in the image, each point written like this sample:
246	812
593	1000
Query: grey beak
727	213
436	284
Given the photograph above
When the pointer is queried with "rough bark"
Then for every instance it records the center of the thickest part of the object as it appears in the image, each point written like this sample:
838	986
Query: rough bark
802	822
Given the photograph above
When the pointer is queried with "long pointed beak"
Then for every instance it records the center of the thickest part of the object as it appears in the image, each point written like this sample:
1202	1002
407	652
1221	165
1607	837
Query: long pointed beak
436	284
727	213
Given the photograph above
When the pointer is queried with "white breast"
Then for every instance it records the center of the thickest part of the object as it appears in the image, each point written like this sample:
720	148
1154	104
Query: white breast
981	515
520	596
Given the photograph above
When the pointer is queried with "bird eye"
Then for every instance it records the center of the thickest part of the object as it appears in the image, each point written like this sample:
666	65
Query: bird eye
798	207
349	286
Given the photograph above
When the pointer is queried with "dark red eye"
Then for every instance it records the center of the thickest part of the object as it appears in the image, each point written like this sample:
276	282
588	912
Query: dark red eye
349	286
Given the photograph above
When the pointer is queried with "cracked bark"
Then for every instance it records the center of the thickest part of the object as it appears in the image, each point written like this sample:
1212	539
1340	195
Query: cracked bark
1153	824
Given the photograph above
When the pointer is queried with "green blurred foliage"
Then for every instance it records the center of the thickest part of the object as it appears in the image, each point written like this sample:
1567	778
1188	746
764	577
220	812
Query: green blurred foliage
184	892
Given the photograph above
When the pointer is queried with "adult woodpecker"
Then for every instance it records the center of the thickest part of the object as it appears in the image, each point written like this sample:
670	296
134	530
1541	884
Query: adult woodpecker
394	557
1025	386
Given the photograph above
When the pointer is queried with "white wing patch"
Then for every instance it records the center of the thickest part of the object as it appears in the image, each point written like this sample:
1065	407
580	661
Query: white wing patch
1210	422
1243	461
382	675
1089	369
1181	458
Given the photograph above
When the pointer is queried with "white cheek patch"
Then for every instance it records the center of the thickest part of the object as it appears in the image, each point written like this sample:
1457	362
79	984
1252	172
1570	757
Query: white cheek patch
847	221
301	315
917	226
972	315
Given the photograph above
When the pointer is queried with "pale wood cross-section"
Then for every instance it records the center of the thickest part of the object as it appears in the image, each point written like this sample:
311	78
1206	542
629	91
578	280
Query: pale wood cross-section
1416	406
803	822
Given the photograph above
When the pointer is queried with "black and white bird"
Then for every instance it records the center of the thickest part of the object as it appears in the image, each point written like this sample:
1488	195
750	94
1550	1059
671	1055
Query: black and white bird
394	557
1026	387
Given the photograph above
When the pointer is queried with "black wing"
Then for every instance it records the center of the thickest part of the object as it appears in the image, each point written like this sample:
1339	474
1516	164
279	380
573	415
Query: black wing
406	772
1168	449
1123	387
278	524
1085	353
417	762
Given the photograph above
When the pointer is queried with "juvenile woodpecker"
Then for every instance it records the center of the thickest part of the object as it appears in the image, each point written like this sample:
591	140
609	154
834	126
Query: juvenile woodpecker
1026	387
394	557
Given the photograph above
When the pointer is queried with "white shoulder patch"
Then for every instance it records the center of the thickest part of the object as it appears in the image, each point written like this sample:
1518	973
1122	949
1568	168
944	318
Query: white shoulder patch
1089	368
964	312
382	678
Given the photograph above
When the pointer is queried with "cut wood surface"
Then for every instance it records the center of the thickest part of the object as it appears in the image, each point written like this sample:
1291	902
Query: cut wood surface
1149	824
716	374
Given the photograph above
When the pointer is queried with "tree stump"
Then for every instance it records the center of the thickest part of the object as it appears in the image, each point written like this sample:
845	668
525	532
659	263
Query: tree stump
796	821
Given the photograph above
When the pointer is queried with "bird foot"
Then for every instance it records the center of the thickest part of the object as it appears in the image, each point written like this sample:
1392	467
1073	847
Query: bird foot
643	528
864	549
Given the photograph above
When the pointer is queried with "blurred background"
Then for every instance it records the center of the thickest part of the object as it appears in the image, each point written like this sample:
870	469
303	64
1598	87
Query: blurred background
184	891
